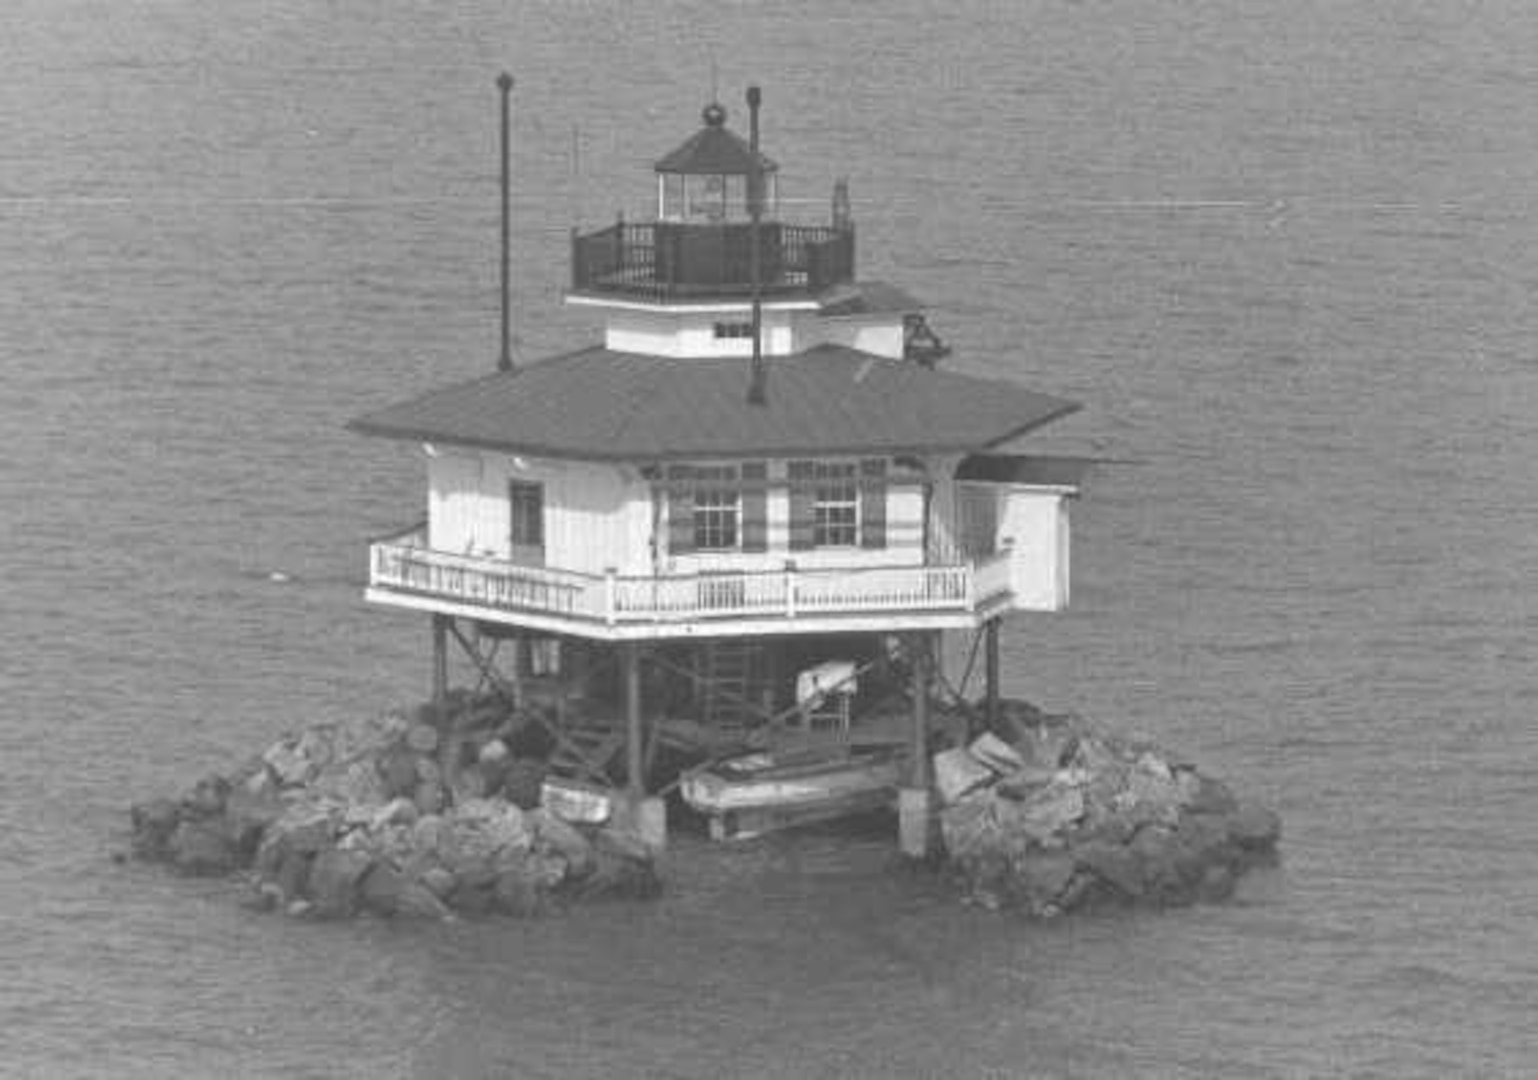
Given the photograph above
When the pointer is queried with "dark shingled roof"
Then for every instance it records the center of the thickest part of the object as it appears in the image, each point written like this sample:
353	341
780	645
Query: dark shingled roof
1051	471
711	151
595	404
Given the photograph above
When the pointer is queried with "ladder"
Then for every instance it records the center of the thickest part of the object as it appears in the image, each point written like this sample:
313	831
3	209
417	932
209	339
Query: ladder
732	684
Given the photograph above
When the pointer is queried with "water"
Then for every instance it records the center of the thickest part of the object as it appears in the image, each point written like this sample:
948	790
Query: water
1281	251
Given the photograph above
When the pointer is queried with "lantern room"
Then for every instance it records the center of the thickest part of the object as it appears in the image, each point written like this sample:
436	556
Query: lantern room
709	179
716	236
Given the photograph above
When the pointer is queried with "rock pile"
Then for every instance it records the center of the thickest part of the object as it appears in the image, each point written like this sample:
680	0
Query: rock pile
403	814
1049	814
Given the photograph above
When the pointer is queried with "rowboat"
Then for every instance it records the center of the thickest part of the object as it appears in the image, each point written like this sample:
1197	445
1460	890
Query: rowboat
759	792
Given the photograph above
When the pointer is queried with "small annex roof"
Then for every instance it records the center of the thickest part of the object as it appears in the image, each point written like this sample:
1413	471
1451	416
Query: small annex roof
714	151
868	298
600	405
1038	470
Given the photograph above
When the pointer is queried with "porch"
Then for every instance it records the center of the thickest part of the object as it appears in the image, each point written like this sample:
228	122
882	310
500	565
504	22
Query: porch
405	572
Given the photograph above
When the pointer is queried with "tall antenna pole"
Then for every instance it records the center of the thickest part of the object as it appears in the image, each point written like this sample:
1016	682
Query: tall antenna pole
505	361
757	393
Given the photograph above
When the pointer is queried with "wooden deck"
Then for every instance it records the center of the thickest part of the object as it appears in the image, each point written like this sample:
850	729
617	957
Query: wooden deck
405	573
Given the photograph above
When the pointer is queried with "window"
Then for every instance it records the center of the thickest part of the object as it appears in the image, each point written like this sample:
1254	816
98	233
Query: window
724	330
835	505
716	506
527	504
672	197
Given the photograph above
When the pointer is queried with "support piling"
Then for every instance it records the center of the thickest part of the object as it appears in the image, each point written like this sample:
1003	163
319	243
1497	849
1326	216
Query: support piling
441	625
991	673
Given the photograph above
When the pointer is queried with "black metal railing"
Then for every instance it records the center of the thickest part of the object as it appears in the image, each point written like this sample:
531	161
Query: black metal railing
669	260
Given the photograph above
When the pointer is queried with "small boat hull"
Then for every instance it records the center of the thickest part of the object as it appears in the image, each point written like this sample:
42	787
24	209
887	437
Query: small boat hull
762	792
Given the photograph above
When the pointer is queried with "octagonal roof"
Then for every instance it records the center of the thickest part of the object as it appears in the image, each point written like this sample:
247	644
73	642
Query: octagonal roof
714	151
600	405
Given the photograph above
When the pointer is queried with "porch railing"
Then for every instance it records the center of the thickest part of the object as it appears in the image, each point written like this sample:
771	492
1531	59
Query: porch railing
991	580
404	564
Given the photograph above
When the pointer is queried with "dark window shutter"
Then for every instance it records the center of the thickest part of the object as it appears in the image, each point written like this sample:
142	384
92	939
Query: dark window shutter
803	479
873	503
680	510
755	507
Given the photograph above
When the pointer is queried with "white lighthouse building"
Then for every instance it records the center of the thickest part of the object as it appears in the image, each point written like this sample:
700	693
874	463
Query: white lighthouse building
760	474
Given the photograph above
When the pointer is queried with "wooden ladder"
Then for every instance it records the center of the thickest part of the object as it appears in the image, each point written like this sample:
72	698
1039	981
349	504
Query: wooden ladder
732	683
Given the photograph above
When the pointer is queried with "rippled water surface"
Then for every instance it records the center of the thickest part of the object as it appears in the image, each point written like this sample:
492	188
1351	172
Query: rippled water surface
1282	252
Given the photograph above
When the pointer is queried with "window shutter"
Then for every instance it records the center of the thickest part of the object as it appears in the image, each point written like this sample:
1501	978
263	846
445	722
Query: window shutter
680	510
873	503
802	491
755	508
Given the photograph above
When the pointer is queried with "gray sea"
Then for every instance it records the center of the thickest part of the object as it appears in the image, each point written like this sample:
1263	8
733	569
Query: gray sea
1285	253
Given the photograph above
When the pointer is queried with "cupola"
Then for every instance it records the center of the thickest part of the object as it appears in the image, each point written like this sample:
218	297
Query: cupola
716	236
707	179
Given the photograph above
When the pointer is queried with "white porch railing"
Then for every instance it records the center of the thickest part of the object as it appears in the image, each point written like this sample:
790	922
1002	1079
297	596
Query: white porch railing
403	563
991	580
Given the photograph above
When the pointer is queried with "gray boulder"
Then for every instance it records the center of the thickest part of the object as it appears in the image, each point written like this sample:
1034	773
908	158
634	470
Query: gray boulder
517	890
303	828
1117	865
381	888
1254	828
153	824
1040	879
202	846
551	833
417	900
207	797
333	882
248	816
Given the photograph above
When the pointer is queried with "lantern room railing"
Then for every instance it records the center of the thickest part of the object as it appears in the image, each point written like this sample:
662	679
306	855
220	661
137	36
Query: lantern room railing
666	260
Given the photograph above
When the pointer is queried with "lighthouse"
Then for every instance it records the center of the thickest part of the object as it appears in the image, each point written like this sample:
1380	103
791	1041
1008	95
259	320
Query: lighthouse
741	519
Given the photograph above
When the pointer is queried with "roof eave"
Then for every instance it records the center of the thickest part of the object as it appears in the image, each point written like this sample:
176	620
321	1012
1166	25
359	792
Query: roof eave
363	426
1065	408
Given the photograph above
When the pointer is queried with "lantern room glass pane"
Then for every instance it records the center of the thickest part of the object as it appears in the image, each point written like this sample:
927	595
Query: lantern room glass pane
711	199
737	198
672	208
705	198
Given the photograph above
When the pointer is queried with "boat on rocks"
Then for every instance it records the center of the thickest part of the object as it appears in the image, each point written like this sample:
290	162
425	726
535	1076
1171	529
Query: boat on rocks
761	791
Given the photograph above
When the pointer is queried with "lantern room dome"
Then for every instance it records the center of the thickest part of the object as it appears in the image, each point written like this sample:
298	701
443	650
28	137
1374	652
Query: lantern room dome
714	150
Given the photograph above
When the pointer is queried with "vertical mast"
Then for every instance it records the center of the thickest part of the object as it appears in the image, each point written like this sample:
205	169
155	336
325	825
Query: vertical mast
756	388
505	361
